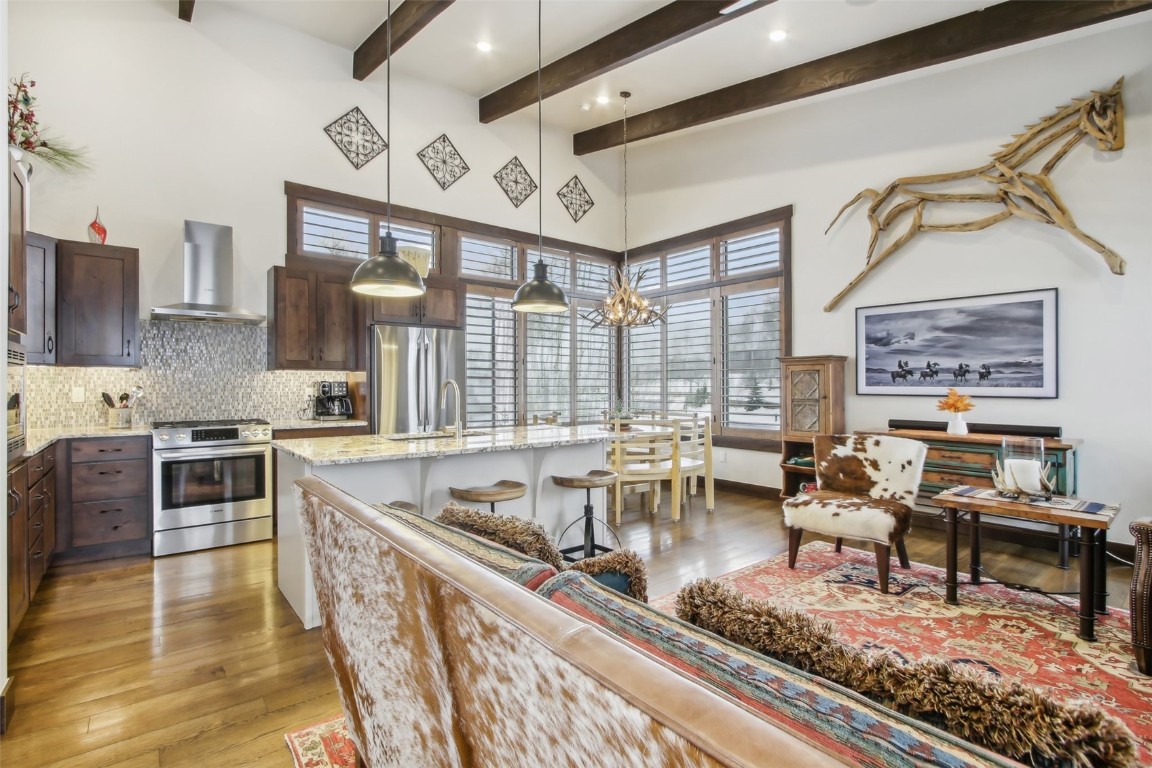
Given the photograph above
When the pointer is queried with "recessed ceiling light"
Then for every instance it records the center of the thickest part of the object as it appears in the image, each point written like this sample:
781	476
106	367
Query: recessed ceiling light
585	107
777	35
484	46
601	99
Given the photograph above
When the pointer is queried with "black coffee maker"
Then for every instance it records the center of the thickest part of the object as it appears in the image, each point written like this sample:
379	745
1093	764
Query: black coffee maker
332	402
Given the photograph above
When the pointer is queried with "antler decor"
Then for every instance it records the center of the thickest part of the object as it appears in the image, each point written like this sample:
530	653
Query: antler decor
1009	487
902	204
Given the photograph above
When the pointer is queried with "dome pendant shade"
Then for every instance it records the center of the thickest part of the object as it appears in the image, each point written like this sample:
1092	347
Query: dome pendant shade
540	294
387	275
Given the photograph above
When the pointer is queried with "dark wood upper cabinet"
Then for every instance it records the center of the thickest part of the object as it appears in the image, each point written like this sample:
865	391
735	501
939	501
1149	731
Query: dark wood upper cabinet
311	322
441	305
17	223
98	310
40	339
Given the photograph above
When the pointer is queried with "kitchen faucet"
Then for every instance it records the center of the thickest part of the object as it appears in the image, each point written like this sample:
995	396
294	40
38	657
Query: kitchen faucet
458	427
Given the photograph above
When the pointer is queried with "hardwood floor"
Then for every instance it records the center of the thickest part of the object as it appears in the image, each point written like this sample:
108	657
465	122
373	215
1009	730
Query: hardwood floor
197	660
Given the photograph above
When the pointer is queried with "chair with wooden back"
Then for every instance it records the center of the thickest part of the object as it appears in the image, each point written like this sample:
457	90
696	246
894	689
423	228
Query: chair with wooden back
646	451
696	455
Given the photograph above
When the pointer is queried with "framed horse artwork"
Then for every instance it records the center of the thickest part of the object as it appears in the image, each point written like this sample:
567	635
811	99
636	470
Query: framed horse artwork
997	345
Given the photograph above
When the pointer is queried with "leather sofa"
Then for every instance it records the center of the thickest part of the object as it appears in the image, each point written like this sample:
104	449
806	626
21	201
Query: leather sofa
450	651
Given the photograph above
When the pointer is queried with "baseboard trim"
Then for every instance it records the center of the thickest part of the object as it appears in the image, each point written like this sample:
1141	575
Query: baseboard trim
759	491
7	704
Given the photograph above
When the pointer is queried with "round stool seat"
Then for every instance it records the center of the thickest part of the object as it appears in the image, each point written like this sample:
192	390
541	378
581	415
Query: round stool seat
597	478
502	490
407	506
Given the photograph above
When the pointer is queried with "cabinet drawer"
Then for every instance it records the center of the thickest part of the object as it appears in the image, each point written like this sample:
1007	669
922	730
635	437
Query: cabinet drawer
40	494
41	464
35	530
109	480
948	479
108	448
960	457
37	565
101	522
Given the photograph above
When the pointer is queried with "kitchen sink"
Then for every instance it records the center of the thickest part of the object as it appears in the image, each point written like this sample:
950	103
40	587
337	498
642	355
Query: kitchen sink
437	435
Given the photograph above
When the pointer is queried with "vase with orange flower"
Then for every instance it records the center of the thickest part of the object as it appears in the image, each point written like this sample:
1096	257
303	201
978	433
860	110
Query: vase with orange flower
956	406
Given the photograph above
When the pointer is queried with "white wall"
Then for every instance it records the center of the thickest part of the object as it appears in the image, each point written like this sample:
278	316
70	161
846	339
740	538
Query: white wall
818	155
206	121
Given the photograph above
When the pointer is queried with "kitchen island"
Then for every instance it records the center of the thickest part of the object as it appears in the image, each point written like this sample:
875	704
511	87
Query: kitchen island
419	469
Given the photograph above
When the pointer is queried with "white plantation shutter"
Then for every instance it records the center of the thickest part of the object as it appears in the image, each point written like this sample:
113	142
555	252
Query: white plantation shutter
333	232
594	368
490	330
750	335
492	259
747	253
646	368
411	234
689	367
693	265
548	365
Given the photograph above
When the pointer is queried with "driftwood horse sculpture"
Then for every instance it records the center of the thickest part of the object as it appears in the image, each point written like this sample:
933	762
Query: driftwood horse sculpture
902	204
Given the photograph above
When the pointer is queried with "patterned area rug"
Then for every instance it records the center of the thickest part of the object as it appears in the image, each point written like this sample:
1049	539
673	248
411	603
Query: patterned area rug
1009	634
322	745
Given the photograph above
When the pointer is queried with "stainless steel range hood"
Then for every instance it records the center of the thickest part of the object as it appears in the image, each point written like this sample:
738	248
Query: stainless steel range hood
207	279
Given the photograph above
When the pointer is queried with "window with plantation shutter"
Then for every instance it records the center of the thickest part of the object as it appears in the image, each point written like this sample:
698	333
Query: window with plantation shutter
693	265
333	232
547	366
689	367
492	259
592	277
490	330
646	368
594	368
411	234
754	252
750	334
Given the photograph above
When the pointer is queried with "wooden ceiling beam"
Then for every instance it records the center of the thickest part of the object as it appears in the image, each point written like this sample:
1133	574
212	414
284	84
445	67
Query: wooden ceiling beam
670	24
408	18
185	8
998	26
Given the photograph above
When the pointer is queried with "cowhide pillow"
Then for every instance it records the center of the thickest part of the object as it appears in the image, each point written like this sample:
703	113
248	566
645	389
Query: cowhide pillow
1013	719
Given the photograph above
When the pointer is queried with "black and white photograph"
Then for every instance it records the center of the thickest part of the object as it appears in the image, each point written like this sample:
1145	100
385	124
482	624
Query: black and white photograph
999	345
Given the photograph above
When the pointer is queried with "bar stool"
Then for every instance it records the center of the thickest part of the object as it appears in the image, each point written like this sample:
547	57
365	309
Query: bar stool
501	490
596	478
407	506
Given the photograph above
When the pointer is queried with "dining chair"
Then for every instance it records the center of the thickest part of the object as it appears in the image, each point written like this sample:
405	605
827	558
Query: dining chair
646	452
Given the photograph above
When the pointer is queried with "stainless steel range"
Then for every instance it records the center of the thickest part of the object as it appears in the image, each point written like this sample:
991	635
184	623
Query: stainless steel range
211	484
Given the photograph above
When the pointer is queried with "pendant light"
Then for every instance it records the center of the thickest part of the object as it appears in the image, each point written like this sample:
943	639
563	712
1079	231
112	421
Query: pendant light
540	294
624	306
386	274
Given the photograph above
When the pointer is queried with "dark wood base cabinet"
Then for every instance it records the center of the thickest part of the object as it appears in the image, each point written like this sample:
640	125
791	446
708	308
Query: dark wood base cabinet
31	530
105	505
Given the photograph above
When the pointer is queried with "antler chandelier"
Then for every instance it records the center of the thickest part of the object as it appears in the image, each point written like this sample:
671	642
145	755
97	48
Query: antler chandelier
624	306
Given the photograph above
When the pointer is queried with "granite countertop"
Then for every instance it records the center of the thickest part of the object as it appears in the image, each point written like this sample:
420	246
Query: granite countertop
37	440
367	448
316	424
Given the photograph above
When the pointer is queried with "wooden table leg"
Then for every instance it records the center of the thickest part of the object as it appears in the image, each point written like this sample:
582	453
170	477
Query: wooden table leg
1087	577
1062	547
1100	598
950	556
974	547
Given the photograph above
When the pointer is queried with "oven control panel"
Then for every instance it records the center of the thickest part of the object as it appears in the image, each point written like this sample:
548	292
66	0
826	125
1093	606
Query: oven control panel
191	437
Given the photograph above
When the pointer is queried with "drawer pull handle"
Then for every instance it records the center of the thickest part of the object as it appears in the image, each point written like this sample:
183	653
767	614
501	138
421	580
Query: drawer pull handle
38	496
112	472
105	511
37	555
38	525
109	450
115	527
952	456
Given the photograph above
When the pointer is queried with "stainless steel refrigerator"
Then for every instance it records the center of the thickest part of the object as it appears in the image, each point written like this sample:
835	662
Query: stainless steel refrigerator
408	367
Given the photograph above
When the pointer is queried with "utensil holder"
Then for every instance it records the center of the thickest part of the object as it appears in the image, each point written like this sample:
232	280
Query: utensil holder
120	418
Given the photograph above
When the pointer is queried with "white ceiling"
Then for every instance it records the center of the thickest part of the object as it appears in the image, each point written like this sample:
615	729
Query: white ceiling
445	51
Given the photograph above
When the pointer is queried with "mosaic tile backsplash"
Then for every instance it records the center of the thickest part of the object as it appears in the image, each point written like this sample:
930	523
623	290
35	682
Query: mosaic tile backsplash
188	371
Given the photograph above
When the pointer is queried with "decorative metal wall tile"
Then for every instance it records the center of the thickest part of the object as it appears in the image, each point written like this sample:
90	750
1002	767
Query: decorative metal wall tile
356	137
443	161
514	179
575	198
188	371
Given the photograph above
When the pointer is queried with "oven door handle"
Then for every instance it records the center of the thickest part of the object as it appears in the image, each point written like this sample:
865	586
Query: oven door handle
212	453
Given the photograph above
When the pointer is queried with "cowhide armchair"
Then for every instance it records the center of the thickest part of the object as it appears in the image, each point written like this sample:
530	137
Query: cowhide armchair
866	488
